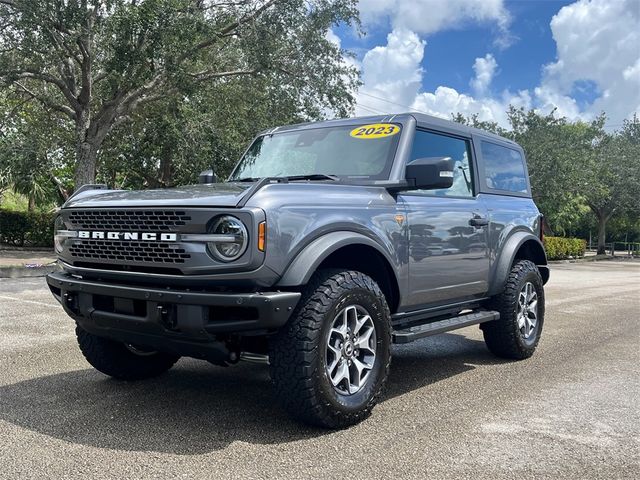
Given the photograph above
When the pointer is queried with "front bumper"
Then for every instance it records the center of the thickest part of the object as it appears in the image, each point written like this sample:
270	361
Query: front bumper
168	319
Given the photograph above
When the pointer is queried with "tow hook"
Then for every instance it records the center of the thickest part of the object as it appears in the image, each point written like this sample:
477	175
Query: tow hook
234	356
70	301
167	320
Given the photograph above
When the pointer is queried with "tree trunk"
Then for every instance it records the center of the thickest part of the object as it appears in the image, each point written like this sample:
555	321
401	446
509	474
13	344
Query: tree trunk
86	159
32	203
602	233
603	214
86	152
165	170
90	135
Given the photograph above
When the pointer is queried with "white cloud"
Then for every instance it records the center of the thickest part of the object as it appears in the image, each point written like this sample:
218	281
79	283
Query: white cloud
485	68
445	101
548	99
430	16
392	74
598	41
632	72
333	38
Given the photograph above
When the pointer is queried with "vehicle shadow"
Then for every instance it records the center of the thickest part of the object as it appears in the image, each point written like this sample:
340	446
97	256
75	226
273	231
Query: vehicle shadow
197	408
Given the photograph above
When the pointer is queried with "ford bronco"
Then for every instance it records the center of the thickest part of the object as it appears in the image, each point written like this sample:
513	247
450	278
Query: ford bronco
327	243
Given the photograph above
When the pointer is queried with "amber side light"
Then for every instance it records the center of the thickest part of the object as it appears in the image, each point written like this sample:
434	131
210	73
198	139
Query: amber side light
262	235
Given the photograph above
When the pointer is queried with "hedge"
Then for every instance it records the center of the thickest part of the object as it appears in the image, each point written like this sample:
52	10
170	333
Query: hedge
560	248
26	229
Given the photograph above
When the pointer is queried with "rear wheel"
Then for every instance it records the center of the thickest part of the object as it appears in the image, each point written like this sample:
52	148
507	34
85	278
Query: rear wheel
330	362
521	305
120	360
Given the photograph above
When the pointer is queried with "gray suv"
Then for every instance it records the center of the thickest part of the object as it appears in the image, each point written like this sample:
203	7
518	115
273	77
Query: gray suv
329	242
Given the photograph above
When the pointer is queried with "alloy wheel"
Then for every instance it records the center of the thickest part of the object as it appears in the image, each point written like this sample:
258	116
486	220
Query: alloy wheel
351	350
527	313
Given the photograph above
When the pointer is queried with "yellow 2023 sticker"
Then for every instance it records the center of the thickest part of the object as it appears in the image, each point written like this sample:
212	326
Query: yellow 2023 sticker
375	130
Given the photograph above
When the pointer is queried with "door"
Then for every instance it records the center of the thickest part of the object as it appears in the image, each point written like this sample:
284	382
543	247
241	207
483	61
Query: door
448	252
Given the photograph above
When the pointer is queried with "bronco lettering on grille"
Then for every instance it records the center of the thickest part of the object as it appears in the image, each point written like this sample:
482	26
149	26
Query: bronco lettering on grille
144	236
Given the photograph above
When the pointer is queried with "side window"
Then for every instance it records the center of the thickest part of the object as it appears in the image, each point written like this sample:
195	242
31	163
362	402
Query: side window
427	144
503	168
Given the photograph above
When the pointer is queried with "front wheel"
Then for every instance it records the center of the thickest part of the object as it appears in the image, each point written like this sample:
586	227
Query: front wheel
330	362
120	360
517	332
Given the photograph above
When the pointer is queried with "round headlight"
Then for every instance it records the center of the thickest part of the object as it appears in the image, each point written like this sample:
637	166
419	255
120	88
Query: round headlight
233	239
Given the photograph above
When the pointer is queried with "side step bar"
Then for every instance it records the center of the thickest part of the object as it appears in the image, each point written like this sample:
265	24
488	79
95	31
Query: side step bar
410	334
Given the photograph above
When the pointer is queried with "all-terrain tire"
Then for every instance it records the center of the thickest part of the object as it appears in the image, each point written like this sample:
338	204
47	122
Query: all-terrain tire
298	352
504	337
116	360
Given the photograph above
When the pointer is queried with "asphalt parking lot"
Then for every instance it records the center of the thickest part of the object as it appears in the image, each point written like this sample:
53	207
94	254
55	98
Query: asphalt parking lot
451	410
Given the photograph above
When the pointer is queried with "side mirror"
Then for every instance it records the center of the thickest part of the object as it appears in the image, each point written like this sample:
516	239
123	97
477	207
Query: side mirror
207	177
430	173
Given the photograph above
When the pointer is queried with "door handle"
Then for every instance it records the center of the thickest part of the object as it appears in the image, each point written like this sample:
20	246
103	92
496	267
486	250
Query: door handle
478	221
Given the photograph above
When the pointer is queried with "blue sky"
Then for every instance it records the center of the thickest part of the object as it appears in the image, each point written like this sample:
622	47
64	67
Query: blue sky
478	56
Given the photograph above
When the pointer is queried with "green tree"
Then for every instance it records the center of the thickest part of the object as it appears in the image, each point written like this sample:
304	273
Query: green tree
556	151
97	63
32	151
168	143
475	122
576	168
610	179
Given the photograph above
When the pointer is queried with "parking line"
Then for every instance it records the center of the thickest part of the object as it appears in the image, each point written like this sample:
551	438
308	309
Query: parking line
28	301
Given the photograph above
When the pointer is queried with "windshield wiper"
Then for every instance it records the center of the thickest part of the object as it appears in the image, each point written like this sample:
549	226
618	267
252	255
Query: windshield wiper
258	183
313	176
247	179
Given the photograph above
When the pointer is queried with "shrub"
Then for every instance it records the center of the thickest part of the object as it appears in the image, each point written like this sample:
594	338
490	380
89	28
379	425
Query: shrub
559	248
26	229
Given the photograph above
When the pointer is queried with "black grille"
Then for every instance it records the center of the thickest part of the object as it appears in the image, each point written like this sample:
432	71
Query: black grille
131	220
127	251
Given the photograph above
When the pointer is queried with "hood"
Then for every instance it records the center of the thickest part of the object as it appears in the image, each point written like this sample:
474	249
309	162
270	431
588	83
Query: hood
211	195
275	196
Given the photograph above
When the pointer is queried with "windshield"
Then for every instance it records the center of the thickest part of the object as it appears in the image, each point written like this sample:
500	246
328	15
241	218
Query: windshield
351	152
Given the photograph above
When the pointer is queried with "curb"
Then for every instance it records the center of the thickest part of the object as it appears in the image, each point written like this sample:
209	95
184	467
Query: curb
608	258
21	271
